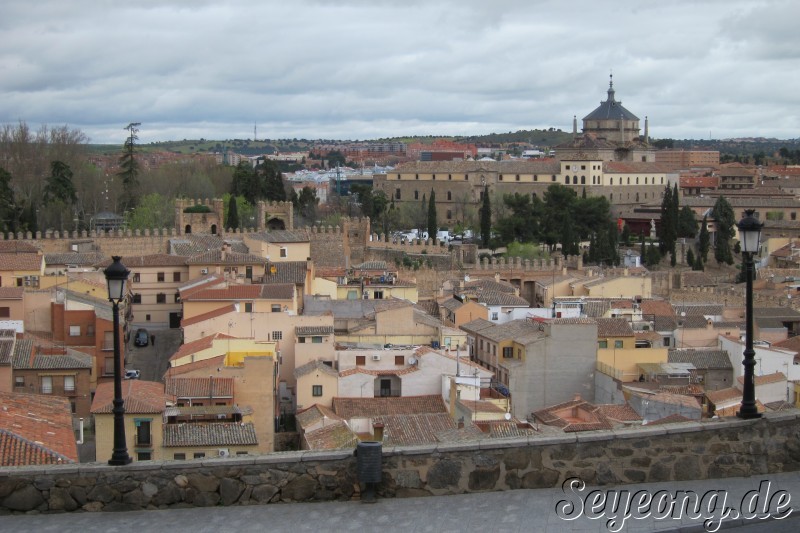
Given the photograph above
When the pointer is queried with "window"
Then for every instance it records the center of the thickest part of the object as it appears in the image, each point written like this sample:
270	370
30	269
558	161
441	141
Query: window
74	331
416	176
144	456
611	182
161	298
316	390
5	312
90	330
450	176
501	177
449	214
301	340
361	360
277	335
449	195
284	252
583	167
137	299
602	344
199	455
434	177
47	385
397	194
136	277
378	295
508	352
517	177
248	307
316	339
276	308
143	433
494	316
241	452
554	178
179	456
19	381
617	344
108	366
177	298
416	195
147	318
399	360
69	383
160	276
176	276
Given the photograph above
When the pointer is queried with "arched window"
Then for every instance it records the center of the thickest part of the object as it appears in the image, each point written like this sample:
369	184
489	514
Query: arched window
629	181
583	180
213	229
637	181
188	229
566	180
449	195
611	182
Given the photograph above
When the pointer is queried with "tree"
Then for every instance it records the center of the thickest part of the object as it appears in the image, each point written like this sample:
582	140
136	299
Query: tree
8	209
687	223
130	168
306	204
486	217
245	183
722	213
433	226
271	181
705	240
669	223
59	185
690	257
233	214
153	211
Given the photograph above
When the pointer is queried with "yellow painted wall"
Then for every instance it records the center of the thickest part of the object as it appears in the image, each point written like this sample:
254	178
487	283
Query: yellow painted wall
305	398
324	287
104	436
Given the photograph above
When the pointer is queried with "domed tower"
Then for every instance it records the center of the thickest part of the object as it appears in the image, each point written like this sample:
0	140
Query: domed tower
611	121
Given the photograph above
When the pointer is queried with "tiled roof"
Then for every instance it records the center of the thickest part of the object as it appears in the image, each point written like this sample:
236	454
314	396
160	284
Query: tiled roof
371	265
231	292
504	429
210	363
79	259
595	418
451	304
510	330
25	358
196	244
376	372
479	285
697	279
11	293
702	359
209	387
693	322
195	410
143	261
280	235
198	345
335	435
698	310
501	298
21	261
17	247
476	326
349	408
207	281
658	308
36	429
580	321
210	434
311	366
619	412
782	313
316	413
141	397
671	419
775	377
207	316
215	257
288	272
531	166
278	291
351	309
723	395
7	349
414	429
613	327
306	331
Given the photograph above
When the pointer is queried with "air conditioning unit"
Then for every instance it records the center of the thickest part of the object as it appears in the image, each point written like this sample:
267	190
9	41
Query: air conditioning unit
224	452
376	357
204	271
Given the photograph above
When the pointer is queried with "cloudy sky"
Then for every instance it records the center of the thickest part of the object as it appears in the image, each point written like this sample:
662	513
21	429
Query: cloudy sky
364	69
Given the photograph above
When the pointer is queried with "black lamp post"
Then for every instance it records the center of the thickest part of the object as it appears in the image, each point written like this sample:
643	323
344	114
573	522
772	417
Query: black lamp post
116	276
749	236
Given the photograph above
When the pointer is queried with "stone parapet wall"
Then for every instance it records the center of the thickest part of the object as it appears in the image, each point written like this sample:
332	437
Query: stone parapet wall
693	450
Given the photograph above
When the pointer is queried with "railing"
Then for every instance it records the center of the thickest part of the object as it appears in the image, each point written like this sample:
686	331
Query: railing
387	393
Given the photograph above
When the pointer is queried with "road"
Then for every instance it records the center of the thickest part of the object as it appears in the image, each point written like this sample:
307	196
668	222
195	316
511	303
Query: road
153	361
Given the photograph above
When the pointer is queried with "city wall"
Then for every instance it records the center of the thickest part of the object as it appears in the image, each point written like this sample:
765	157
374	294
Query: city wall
692	450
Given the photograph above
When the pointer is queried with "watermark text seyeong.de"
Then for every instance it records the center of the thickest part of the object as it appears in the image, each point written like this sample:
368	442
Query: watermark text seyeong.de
714	507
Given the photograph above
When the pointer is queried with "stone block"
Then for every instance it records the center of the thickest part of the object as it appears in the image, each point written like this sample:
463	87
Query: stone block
540	479
203	483
230	490
300	489
444	473
263	493
26	498
484	478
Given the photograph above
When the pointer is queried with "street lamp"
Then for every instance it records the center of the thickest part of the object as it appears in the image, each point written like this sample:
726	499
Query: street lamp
116	276
749	236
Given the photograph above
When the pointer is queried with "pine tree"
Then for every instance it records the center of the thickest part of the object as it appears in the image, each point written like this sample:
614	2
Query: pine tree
486	217
705	240
432	224
233	214
130	168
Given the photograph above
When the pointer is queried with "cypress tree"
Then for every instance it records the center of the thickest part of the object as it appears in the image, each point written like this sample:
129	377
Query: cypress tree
233	214
432	224
486	217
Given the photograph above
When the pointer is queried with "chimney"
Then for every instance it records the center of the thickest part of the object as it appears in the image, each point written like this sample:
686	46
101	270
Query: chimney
497	276
377	431
577	397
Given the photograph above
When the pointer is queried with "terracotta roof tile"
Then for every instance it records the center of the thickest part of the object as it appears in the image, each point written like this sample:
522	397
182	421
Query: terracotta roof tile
210	363
198	345
25	358
215	257
776	377
314	414
11	293
21	261
613	327
196	244
414	429
36	429
209	315
142	261
17	247
288	272
335	435
141	397
210	387
724	395
311	366
278	236
349	408
210	434
73	258
305	331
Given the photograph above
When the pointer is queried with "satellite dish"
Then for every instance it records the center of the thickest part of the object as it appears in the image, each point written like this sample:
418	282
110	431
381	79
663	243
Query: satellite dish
507	416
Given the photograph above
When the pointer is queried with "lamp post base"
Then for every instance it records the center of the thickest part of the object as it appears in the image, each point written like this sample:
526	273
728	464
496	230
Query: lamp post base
747	415
120	461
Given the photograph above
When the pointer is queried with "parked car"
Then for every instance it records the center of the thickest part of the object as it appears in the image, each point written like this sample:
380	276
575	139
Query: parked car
142	338
132	374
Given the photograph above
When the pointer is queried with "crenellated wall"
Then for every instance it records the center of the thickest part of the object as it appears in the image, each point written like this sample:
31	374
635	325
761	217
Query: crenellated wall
675	452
